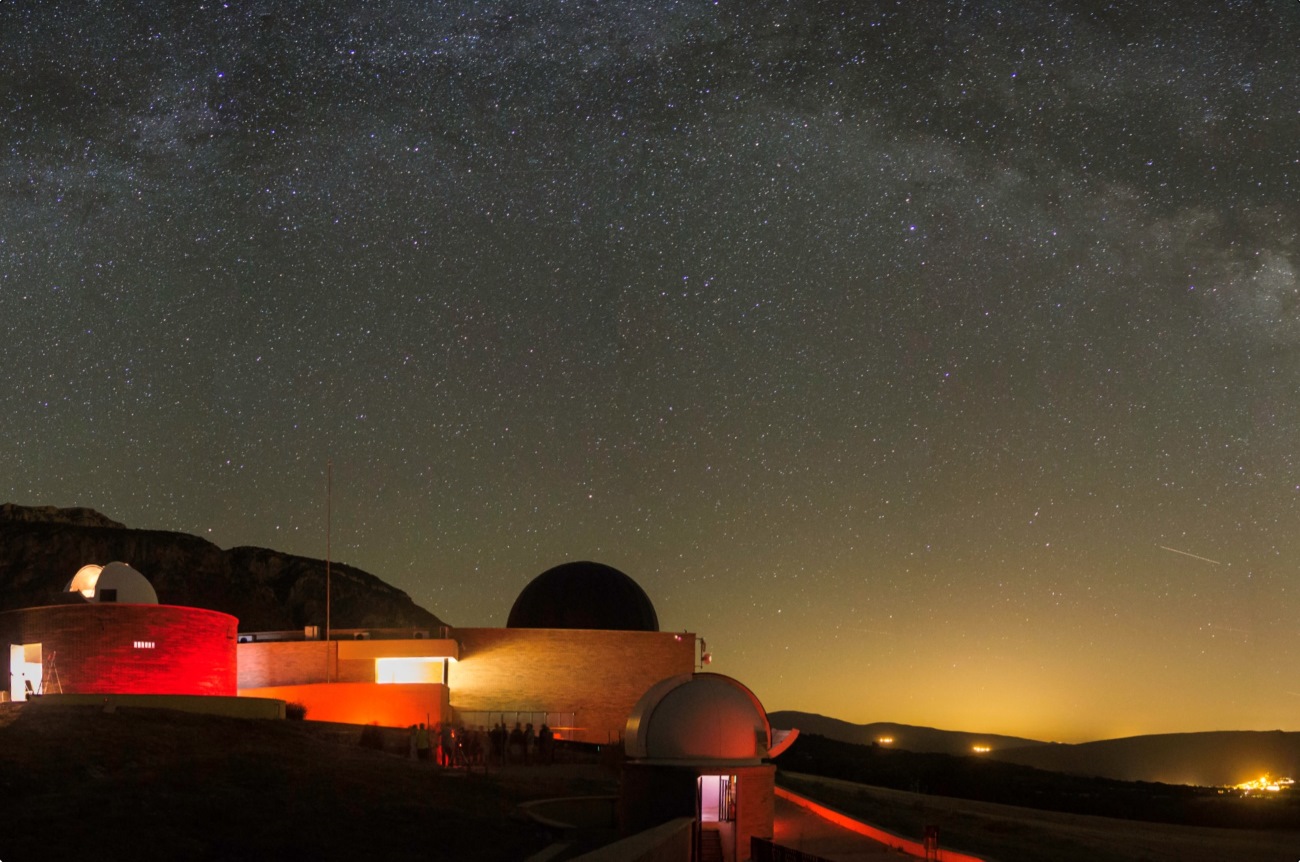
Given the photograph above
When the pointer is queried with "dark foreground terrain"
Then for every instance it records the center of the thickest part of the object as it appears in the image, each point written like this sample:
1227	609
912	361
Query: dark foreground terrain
141	785
76	782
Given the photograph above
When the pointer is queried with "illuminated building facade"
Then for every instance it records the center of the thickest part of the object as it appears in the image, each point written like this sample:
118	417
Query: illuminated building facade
581	646
582	653
699	746
110	636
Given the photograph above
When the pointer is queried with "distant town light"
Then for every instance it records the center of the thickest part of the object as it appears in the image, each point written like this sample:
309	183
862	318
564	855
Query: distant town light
981	749
1265	784
885	740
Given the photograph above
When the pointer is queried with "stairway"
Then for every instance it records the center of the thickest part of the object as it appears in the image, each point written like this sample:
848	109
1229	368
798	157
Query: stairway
710	845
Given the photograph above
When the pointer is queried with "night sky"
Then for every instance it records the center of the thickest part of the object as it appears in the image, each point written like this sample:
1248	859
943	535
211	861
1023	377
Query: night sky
937	362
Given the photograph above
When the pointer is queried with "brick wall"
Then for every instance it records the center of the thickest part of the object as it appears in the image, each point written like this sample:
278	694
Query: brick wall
110	648
597	675
755	802
271	663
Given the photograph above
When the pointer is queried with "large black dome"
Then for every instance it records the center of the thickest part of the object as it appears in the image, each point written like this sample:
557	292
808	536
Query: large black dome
583	595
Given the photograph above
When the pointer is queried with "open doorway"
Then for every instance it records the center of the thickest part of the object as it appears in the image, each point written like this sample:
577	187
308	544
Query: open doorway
717	798
24	671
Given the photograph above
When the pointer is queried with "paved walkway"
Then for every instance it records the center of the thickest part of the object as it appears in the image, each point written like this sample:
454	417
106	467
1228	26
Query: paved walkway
801	829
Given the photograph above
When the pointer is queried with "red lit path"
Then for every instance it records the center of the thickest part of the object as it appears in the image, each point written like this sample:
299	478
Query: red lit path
800	829
803	829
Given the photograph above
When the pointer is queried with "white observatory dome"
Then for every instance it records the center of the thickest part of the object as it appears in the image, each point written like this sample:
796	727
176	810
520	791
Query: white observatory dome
699	717
116	582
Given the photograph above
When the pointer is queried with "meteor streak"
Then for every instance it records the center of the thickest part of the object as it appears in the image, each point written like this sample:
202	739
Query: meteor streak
1193	556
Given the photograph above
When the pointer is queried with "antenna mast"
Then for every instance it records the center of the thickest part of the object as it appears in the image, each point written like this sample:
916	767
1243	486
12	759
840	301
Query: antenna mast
329	519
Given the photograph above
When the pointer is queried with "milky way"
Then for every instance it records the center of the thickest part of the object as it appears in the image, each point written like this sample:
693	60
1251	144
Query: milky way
938	362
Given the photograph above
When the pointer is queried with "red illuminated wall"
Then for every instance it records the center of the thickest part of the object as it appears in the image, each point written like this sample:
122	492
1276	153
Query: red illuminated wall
365	702
95	647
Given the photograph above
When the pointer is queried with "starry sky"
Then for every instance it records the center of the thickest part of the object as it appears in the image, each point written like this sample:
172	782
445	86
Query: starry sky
938	362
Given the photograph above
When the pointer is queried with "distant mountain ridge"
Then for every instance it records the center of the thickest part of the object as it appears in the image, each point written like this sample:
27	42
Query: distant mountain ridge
905	737
1208	759
41	548
77	516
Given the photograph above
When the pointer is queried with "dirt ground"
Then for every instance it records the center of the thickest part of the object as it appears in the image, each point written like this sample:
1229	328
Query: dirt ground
146	785
1003	833
153	784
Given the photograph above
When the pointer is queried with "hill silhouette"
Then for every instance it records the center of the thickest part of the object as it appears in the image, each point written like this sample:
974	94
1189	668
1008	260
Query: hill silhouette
1213	758
41	548
905	736
1209	759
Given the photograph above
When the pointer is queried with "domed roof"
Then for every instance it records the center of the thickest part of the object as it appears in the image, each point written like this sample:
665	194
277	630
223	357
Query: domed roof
698	717
116	582
583	595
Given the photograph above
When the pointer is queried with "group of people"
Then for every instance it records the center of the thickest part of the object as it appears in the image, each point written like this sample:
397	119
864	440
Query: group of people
449	744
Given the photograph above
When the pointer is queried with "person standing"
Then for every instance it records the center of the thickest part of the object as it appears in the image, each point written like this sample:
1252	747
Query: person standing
545	737
422	751
499	737
448	743
516	748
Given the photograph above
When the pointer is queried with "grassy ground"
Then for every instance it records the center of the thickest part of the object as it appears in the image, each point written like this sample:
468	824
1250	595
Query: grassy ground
151	784
1010	834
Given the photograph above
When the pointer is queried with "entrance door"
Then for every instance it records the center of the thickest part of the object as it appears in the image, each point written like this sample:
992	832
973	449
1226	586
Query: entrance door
24	670
715	799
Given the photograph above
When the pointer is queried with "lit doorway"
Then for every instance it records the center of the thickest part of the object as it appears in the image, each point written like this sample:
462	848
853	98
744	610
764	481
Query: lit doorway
715	806
717	798
24	671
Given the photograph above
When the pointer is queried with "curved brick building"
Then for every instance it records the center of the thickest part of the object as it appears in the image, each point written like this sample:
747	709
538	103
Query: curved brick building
94	644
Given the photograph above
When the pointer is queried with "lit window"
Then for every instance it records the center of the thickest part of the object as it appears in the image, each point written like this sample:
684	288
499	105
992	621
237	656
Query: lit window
413	669
144	644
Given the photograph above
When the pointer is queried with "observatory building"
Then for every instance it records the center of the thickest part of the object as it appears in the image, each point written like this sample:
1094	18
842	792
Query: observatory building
698	746
109	635
581	653
583	595
580	646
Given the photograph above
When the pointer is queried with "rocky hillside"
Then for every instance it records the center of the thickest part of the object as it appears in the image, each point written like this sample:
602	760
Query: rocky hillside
41	548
